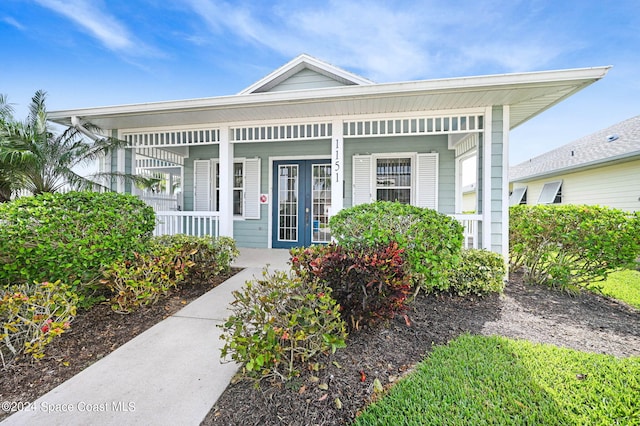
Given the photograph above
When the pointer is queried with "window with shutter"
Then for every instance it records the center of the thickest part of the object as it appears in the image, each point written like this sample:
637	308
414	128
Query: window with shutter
202	185
427	181
252	188
362	182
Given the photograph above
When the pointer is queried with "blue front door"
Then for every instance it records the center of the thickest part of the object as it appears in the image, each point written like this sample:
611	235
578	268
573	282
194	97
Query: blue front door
302	201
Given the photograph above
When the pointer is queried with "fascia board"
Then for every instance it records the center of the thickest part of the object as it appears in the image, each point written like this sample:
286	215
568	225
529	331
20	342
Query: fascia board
452	85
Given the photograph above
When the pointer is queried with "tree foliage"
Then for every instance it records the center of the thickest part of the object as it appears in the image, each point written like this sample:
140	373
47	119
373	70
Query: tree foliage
36	158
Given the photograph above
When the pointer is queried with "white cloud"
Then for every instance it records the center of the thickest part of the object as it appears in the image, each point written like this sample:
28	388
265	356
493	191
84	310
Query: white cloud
393	41
11	21
97	22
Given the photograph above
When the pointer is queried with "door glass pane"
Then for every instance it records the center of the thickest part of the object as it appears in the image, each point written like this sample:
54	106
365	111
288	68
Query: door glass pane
288	202
321	202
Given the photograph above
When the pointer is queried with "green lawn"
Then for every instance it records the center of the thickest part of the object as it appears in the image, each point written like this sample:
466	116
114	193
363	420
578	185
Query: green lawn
477	380
623	285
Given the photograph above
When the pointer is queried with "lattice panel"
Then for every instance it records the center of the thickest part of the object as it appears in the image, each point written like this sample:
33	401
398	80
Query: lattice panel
414	126
161	154
173	138
281	132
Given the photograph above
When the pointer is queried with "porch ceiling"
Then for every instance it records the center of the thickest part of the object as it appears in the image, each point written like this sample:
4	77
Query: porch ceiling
528	94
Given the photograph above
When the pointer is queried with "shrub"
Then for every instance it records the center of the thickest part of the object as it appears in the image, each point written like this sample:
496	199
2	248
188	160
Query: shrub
31	316
280	321
69	237
431	241
142	280
210	256
370	284
573	245
480	272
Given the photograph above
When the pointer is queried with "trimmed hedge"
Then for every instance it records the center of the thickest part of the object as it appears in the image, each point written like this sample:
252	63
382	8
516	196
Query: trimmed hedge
571	246
431	241
479	272
70	237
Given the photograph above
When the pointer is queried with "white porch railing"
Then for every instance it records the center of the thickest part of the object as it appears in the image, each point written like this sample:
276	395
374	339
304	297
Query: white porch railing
470	223
198	224
160	202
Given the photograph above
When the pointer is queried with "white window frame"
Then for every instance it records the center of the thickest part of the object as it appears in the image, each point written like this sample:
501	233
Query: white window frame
394	156
364	189
215	173
551	193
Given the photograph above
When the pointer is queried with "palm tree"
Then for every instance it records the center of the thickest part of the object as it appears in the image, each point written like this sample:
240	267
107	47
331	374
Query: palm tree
35	158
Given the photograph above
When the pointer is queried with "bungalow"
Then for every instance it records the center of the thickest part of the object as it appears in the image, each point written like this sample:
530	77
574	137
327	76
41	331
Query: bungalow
270	165
602	168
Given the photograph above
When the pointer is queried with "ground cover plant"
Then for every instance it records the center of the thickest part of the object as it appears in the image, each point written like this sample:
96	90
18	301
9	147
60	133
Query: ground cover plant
431	241
571	246
493	380
622	285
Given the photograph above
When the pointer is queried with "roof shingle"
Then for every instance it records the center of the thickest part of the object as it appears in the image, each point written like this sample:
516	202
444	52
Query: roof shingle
596	148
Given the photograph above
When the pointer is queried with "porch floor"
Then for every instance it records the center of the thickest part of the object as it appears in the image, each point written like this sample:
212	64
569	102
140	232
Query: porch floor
170	374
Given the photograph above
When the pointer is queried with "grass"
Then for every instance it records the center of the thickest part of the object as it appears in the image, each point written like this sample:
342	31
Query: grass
494	380
624	286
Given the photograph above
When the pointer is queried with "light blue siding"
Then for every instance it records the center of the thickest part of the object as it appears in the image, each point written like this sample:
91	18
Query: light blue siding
419	144
497	184
306	79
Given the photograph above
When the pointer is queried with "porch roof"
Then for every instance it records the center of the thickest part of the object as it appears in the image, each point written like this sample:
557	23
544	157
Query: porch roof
528	94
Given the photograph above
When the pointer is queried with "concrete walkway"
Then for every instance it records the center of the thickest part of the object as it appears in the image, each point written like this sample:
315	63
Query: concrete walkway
169	375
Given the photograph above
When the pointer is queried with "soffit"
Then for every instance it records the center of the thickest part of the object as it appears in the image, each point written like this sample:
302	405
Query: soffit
528	94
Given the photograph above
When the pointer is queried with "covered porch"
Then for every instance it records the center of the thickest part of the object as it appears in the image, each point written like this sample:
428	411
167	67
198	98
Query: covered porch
270	165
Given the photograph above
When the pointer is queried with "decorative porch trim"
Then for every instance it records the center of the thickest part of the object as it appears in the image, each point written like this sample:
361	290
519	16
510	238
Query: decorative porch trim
153	163
184	137
439	125
467	144
281	132
161	155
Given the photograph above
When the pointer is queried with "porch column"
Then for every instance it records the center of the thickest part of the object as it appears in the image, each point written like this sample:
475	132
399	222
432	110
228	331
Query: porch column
486	180
226	184
337	167
506	113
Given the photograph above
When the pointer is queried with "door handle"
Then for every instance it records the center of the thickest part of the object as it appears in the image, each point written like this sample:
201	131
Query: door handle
306	216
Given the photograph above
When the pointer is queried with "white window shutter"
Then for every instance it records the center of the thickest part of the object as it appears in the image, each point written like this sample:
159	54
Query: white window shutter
427	181
362	181
201	185
252	188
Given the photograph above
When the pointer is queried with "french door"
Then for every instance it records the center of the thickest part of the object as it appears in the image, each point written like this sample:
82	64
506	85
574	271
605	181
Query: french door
302	202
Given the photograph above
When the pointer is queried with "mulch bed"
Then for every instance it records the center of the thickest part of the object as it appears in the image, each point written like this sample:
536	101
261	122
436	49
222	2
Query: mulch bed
93	335
585	322
596	324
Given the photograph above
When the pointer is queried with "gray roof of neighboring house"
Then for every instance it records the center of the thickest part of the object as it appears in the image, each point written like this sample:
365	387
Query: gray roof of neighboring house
614	143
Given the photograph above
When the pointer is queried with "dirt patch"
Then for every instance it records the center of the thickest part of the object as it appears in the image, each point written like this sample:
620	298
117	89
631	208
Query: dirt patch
585	322
93	335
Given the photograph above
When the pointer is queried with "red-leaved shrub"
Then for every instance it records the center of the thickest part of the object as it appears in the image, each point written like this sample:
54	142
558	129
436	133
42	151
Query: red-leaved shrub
370	284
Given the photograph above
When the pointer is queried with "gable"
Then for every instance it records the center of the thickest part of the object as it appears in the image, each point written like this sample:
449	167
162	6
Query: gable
306	79
305	72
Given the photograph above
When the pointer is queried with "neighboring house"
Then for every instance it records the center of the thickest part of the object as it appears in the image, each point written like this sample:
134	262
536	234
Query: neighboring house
270	165
602	168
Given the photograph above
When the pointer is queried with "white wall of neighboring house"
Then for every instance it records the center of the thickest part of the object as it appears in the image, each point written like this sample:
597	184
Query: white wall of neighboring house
616	186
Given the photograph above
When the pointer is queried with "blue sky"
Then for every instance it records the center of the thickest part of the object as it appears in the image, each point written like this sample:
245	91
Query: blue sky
88	53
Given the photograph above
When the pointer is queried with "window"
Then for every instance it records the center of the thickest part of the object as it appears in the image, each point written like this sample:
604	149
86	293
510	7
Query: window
551	193
410	178
518	196
393	179
238	188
